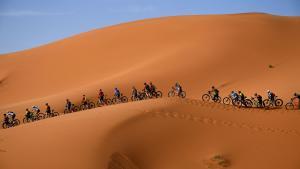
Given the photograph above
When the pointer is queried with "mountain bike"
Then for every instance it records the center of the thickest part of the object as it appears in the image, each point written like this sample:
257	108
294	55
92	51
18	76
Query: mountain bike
88	105
11	123
121	99
173	92
74	108
291	105
275	103
209	96
106	101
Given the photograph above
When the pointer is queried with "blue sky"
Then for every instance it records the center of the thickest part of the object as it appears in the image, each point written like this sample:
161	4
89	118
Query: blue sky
29	23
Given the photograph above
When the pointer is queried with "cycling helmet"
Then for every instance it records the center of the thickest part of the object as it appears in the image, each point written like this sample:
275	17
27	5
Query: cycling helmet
255	94
295	94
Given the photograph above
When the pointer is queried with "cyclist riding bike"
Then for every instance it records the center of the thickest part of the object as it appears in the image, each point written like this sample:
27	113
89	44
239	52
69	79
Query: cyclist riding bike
178	88
101	96
152	88
147	88
84	101
134	92
271	96
117	93
69	105
234	95
11	115
297	96
215	93
48	109
29	114
242	97
259	99
6	118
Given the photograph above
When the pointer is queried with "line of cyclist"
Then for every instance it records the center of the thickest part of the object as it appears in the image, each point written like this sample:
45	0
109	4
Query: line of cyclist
239	96
149	90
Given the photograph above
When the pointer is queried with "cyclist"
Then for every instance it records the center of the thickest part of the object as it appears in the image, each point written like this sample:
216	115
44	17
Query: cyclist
271	96
234	95
101	96
11	115
178	88
297	96
152	88
241	97
215	93
48	109
84	101
117	93
6	119
68	105
147	88
259	99
134	92
29	114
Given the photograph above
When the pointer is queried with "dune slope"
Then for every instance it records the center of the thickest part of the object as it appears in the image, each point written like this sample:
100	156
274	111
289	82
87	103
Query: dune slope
228	51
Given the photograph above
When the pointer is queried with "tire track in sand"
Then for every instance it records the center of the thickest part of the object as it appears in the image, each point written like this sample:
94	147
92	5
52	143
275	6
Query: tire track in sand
217	122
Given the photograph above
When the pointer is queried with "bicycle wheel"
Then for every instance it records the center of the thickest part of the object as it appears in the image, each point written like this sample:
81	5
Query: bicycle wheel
108	102
66	111
182	94
159	94
4	126
248	103
124	99
206	97
289	106
218	100
171	93
278	102
114	101
25	120
226	100
267	102
55	114
92	105
133	98
236	102
41	116
16	122
82	107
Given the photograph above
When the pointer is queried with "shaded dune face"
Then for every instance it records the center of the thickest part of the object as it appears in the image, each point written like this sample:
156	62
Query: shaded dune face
228	51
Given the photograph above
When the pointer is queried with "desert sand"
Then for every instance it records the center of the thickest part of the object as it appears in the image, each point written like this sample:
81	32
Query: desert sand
228	51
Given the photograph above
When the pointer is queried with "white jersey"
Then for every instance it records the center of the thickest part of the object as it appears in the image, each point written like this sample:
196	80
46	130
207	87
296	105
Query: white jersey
10	113
36	108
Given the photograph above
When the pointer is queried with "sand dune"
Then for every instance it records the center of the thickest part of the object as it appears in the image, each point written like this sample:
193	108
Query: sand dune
228	51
